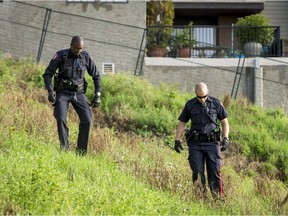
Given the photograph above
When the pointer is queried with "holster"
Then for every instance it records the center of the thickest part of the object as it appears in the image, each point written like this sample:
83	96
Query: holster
56	82
217	132
85	86
188	135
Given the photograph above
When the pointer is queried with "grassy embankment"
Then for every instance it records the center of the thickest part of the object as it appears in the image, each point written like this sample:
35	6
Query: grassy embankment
130	168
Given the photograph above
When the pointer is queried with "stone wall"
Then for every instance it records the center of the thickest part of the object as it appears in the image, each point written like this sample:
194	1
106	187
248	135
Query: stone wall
112	31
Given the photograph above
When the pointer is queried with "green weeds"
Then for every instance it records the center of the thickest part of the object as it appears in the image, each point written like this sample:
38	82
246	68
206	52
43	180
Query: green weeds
131	103
131	167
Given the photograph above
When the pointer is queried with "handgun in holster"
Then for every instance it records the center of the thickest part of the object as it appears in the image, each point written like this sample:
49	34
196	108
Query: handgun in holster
189	135
56	82
217	132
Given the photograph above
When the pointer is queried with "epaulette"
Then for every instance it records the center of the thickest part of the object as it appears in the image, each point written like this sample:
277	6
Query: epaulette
84	54
64	56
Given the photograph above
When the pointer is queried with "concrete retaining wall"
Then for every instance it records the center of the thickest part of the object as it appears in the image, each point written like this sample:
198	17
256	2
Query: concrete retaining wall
263	81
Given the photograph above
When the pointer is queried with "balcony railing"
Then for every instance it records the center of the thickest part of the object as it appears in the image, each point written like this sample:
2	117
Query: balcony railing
210	41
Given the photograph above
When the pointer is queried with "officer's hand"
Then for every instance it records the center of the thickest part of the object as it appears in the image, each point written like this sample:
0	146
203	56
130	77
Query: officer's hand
178	146
52	97
224	144
96	101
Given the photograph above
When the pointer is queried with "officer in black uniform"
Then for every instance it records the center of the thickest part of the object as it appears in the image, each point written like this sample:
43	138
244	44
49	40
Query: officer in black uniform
70	86
203	137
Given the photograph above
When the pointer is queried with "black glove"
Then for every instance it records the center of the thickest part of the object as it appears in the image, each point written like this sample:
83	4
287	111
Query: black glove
224	144
178	146
96	101
52	97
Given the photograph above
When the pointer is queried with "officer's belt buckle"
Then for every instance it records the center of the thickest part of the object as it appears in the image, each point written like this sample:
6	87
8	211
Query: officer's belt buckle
203	138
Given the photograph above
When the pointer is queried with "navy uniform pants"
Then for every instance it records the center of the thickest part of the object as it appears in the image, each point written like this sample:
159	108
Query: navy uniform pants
81	106
206	153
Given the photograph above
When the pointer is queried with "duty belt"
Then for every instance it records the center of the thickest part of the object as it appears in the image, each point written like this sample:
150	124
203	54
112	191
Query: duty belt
69	85
209	137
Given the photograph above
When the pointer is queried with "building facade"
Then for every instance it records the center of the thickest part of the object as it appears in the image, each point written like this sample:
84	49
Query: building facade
112	30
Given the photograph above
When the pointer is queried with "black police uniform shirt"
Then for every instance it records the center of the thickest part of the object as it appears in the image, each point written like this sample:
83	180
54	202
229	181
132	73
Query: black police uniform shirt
200	122
72	68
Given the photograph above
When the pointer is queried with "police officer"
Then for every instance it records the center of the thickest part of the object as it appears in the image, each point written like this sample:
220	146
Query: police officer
70	87
203	137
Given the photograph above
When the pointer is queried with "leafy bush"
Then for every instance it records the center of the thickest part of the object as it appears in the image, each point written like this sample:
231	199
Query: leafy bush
254	28
132	103
260	133
185	38
21	72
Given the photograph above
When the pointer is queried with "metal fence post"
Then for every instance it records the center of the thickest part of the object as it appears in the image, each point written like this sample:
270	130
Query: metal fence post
43	35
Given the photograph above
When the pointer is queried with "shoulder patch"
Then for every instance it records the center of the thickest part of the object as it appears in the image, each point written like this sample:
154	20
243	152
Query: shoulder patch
55	56
85	54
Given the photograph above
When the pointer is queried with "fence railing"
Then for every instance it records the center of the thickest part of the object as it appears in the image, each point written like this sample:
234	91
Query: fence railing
211	41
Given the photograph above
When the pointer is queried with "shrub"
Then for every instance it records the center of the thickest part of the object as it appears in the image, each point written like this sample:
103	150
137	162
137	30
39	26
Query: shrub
254	28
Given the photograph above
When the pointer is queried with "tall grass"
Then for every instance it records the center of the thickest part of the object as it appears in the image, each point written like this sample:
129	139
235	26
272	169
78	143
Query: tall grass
128	170
38	179
261	134
131	103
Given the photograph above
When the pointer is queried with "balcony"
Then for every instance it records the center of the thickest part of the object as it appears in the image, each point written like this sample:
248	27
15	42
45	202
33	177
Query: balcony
207	42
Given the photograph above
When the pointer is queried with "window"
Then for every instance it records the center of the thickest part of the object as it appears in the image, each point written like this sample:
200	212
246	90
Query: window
206	37
113	1
104	1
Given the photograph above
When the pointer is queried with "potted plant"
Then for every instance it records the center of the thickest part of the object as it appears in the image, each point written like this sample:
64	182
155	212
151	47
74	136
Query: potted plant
254	31
157	42
184	41
160	15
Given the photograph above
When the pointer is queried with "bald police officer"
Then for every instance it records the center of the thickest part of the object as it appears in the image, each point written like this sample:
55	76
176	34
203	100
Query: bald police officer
203	137
70	87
